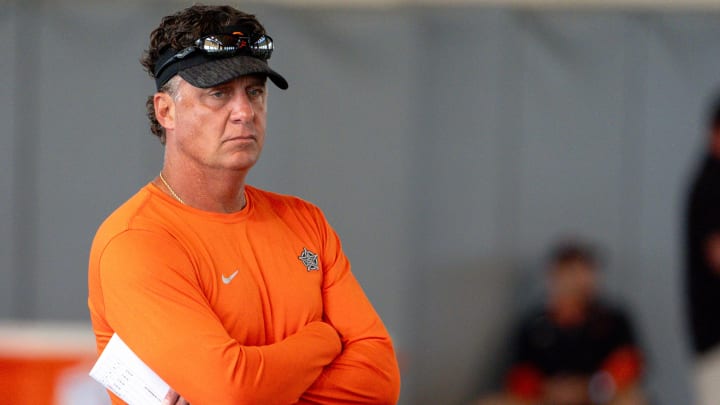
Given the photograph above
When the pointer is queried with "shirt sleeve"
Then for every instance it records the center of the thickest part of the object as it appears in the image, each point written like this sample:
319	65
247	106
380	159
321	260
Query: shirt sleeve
367	370
624	361
154	301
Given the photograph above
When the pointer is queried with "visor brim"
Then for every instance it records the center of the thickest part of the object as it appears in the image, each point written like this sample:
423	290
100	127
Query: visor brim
218	71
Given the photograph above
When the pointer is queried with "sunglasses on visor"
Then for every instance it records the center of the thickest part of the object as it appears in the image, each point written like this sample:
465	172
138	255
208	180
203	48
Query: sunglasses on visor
225	45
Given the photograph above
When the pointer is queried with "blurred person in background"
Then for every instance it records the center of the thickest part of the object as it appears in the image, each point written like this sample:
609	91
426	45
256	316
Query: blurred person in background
231	294
575	349
702	261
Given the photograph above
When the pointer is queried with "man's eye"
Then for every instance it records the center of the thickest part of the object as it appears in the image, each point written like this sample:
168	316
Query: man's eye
256	92
218	93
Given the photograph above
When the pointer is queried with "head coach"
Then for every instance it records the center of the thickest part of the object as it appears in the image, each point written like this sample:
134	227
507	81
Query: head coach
231	294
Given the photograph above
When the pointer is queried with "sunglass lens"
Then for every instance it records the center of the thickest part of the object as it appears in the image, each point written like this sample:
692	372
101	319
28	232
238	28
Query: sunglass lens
263	47
217	43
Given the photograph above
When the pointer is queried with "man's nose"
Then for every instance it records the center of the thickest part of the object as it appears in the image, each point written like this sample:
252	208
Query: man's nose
242	108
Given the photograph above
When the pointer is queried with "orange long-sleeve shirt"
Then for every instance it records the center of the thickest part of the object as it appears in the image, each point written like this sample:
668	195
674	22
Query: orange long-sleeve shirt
253	307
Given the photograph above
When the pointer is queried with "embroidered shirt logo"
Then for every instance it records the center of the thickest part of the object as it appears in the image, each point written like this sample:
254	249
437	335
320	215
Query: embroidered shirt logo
227	280
309	259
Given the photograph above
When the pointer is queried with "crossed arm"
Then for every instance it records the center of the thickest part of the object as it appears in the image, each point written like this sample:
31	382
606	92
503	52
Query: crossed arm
346	357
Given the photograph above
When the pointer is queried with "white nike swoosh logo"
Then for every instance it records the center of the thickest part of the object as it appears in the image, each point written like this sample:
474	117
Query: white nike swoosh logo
227	280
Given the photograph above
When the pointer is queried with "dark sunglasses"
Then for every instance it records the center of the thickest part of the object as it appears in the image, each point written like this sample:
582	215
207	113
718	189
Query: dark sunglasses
225	45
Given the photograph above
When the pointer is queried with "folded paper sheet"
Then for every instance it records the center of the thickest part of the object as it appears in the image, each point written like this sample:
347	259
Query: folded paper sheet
124	373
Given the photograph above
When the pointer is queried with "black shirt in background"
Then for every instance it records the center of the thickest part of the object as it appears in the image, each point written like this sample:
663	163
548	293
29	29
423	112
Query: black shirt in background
576	350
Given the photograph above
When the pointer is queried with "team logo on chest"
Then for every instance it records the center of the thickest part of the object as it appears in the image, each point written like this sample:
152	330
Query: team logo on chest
309	260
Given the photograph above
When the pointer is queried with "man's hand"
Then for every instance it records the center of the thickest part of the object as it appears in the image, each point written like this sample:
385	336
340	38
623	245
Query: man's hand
173	398
566	390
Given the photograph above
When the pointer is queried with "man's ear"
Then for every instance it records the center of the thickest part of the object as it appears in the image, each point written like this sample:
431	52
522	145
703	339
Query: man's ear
164	109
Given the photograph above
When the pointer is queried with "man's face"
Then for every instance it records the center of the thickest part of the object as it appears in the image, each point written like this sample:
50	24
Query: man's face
574	280
715	142
222	127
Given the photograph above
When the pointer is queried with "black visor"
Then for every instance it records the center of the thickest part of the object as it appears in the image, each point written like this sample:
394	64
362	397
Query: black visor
216	59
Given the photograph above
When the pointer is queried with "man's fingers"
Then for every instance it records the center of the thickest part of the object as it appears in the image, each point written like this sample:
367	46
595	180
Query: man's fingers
172	398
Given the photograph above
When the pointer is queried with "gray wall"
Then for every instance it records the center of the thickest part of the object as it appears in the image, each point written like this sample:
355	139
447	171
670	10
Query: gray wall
447	146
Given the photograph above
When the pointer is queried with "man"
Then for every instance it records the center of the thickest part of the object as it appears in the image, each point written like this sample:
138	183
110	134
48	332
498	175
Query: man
575	350
233	295
702	238
702	262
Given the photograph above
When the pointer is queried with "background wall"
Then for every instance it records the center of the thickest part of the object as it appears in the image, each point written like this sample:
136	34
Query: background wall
448	146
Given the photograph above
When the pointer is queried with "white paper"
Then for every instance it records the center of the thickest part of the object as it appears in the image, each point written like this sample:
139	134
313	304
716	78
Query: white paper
122	372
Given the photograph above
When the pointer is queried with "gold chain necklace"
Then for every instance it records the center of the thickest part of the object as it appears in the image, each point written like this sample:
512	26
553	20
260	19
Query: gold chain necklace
170	189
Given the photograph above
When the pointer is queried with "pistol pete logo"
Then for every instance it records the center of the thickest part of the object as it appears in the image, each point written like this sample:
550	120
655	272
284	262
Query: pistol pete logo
309	260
